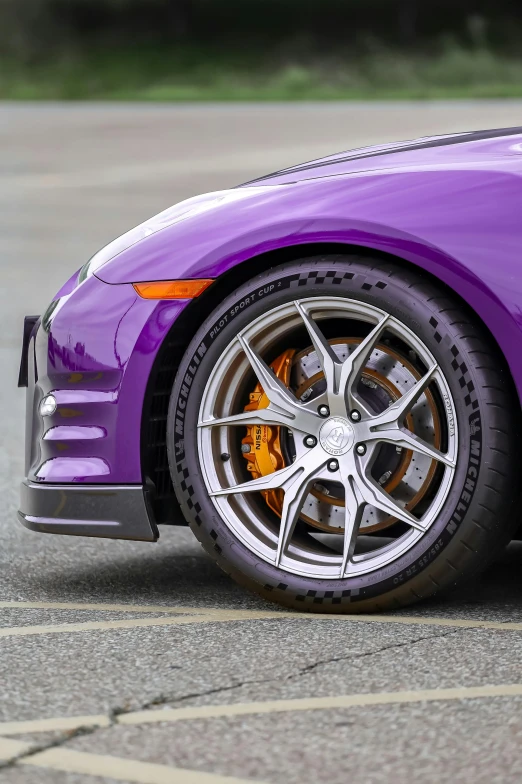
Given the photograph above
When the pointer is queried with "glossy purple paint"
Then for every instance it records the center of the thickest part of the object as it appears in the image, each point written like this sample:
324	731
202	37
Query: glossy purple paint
98	356
74	433
453	211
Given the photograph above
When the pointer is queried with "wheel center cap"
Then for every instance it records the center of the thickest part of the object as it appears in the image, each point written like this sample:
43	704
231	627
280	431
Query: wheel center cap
336	435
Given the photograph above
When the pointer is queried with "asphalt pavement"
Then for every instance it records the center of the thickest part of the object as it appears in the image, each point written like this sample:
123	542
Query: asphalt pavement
139	662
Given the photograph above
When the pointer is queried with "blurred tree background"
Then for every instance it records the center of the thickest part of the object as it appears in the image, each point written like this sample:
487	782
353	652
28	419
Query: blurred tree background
266	49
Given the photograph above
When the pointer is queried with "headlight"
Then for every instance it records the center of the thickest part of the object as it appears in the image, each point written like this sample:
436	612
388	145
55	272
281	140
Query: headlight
118	246
178	212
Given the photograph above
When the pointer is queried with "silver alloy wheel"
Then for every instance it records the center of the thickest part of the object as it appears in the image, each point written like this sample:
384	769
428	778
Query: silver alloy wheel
347	440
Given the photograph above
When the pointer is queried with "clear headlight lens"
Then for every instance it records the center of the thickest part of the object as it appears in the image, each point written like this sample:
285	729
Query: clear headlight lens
185	209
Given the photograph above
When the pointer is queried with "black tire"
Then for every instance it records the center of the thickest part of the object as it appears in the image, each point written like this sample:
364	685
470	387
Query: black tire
478	515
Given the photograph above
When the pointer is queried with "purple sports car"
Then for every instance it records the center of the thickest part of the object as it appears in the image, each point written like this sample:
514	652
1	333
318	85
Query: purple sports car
318	371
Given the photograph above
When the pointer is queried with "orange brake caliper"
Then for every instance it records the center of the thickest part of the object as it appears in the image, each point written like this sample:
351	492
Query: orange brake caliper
264	441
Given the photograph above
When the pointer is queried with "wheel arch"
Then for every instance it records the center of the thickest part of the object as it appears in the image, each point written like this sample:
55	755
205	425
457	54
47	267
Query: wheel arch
153	434
235	276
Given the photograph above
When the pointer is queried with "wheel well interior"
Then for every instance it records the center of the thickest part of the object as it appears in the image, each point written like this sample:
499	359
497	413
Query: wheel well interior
155	468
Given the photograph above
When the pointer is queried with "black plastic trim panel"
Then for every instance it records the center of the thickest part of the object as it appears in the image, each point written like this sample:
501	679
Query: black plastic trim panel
107	511
29	324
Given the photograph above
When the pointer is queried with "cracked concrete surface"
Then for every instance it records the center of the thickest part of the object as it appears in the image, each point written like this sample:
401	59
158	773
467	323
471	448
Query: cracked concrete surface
72	179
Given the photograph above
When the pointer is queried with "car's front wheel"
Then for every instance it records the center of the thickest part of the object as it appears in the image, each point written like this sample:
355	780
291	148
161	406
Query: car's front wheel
342	437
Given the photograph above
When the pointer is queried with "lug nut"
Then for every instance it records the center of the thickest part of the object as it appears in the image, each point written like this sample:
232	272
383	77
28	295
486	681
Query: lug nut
310	441
333	465
355	415
360	449
323	411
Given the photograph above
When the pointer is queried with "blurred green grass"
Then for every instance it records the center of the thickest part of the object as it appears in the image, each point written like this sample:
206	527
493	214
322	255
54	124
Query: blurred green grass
191	74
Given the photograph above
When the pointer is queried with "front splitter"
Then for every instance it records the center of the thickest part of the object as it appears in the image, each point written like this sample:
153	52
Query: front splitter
106	511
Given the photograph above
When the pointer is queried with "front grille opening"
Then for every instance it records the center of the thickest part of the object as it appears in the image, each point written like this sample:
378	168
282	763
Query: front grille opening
154	435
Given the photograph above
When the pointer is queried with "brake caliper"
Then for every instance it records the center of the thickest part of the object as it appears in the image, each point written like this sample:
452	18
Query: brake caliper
261	446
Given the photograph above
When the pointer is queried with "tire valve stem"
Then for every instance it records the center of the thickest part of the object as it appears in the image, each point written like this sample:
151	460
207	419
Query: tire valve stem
225	456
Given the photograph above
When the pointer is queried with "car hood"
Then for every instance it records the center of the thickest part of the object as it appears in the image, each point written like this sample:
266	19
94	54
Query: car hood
451	149
395	190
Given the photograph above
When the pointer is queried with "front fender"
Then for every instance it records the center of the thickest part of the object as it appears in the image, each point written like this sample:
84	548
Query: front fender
462	226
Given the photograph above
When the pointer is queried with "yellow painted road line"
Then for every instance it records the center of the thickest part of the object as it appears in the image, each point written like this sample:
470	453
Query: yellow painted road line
12	748
209	613
408	620
131	608
131	623
420	620
64	724
88	626
275	706
120	768
320	703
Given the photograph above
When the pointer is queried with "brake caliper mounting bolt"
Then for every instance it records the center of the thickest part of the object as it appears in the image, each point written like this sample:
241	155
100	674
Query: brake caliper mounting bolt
355	416
225	456
333	465
310	441
323	411
360	449
245	448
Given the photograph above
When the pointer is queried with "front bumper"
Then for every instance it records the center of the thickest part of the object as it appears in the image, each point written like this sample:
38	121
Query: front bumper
109	512
94	351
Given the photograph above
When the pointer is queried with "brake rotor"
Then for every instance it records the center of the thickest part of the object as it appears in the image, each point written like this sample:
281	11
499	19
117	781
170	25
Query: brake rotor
268	449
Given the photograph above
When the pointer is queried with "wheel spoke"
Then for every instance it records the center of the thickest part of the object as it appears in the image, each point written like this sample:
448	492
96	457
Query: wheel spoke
296	481
354	507
295	494
396	413
278	394
374	495
268	416
313	405
354	365
408	440
278	479
273	387
310	464
328	359
341	376
387	427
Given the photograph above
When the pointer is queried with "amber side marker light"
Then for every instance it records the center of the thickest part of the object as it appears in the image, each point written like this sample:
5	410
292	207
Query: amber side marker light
172	289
